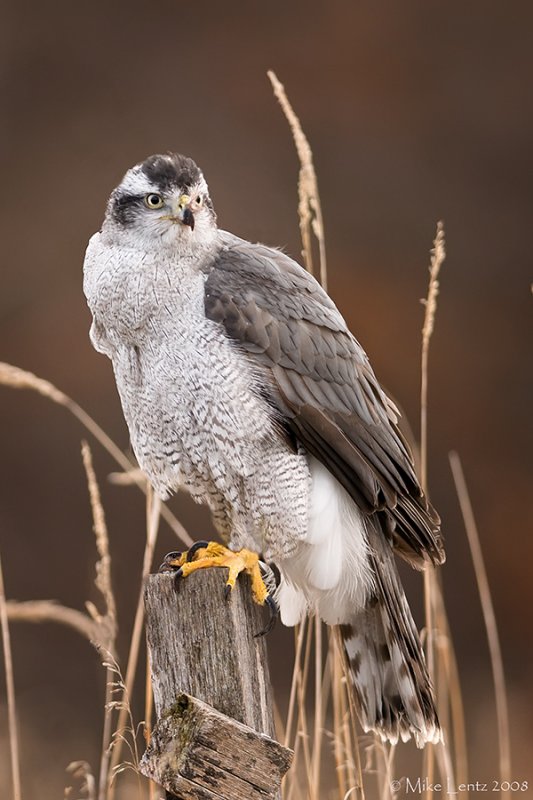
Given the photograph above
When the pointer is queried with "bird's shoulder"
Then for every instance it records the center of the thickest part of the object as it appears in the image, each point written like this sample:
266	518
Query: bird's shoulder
257	275
278	312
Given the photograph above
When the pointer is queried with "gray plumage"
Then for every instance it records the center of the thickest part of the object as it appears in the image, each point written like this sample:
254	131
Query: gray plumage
240	382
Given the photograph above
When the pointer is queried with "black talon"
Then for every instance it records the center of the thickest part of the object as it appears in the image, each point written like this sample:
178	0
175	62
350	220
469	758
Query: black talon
194	548
165	565
227	591
274	611
177	575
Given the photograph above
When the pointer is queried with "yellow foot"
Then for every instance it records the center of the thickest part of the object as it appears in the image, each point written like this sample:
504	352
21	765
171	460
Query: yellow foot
203	555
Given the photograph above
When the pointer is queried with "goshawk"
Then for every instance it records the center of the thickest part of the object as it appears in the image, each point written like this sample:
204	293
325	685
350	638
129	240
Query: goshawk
241	383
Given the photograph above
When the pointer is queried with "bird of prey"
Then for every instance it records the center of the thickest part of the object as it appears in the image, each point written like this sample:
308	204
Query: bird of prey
241	383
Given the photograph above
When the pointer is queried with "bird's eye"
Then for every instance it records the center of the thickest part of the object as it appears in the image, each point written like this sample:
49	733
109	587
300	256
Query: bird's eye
199	200
153	200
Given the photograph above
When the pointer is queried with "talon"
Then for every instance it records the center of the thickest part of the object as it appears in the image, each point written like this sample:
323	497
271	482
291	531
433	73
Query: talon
272	607
216	555
170	560
273	611
193	549
177	577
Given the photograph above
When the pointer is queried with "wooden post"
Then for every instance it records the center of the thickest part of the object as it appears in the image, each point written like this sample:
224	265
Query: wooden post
212	694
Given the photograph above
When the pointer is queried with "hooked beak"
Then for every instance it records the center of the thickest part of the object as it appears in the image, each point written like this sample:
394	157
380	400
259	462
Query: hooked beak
183	211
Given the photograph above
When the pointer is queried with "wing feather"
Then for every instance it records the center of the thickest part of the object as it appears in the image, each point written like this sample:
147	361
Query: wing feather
323	386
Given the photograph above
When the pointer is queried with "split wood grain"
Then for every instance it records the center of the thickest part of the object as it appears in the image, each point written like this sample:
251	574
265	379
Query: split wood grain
212	693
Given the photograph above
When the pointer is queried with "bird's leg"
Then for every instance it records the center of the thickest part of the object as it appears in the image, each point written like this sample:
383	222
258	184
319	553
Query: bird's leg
203	555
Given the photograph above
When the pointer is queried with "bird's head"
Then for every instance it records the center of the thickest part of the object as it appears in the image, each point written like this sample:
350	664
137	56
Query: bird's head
163	201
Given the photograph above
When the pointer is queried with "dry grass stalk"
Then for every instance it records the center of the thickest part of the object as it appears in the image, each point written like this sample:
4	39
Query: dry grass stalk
303	737
330	691
10	687
339	753
438	254
431	588
300	773
153	505
299	642
127	734
382	756
290	784
429	594
109	620
128	478
457	710
320	697
345	742
450	700
99	629
502	711
39	611
17	378
351	725
103	565
309	208
107	733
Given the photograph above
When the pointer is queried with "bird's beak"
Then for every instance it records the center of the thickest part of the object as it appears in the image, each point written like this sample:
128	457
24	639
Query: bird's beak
183	211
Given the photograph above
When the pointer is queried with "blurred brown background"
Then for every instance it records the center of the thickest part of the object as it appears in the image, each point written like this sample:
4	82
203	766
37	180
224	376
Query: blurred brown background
416	111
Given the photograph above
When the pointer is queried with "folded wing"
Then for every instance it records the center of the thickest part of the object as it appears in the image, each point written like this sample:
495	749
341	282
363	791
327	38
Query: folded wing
322	385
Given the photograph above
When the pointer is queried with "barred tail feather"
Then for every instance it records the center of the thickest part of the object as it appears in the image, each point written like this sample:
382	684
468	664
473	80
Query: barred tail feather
386	665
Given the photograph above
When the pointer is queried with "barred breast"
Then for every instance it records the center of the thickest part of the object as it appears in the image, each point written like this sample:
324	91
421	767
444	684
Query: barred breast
193	404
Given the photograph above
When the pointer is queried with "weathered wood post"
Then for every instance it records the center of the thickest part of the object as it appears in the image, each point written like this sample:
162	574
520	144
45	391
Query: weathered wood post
214	733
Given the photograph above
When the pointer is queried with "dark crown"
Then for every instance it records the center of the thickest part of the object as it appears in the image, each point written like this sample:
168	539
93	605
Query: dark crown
171	171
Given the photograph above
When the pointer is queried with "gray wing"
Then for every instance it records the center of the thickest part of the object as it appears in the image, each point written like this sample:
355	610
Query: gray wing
323	386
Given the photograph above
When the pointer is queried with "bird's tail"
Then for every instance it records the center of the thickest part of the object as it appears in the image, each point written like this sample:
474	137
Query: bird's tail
385	662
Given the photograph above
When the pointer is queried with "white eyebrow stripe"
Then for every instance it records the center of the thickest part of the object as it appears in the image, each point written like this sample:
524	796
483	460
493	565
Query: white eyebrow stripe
136	182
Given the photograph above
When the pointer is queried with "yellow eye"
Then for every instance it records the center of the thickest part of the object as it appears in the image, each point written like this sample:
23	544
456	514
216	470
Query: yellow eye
153	200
